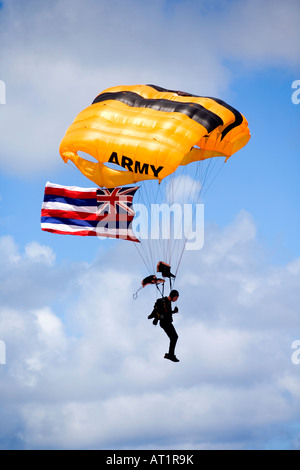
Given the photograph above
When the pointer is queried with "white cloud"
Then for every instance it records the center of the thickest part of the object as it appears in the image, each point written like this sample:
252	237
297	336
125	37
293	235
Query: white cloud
8	250
94	363
37	252
50	327
262	32
253	32
227	243
183	190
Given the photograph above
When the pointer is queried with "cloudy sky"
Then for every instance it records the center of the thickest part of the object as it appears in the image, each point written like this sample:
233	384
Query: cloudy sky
84	368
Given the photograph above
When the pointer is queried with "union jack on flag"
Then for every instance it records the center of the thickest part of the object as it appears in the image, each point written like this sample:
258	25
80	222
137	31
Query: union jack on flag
116	200
69	210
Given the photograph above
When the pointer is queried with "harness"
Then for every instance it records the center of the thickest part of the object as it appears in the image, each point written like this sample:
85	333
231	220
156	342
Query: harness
161	310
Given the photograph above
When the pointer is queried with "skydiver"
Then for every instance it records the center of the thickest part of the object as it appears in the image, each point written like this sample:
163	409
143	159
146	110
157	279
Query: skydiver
163	313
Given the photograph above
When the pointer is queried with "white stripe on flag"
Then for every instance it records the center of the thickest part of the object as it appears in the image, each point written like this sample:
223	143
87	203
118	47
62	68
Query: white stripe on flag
70	188
68	207
66	228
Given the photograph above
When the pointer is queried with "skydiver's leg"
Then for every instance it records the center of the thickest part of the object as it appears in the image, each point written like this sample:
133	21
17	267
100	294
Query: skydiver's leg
173	336
173	340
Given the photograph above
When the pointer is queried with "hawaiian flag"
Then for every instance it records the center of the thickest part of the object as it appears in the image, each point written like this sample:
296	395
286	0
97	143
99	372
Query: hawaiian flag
69	210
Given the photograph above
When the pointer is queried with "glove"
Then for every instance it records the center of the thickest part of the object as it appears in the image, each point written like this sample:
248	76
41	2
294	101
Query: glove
175	310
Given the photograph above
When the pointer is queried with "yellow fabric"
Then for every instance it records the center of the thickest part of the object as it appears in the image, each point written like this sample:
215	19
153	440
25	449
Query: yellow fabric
146	143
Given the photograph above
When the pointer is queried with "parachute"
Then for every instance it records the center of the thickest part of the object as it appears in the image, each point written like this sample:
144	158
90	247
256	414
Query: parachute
149	132
158	138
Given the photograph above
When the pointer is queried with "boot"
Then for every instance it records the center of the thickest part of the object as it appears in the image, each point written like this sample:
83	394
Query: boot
171	357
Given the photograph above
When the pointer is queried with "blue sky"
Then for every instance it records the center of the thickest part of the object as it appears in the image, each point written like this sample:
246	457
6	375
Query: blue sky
81	355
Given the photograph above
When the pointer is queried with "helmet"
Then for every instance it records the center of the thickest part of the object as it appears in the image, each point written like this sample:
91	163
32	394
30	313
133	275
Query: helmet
174	293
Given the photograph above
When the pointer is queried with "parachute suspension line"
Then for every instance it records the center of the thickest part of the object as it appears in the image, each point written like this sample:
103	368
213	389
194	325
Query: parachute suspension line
145	246
181	252
205	177
167	243
160	242
156	240
150	192
190	192
146	243
142	258
162	224
170	196
162	292
182	183
213	179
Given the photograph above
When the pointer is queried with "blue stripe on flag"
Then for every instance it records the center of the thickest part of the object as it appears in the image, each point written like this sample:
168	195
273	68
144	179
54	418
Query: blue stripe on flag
70	200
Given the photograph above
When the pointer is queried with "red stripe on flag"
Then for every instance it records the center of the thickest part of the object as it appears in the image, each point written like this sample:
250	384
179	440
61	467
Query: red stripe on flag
55	213
82	233
71	193
92	233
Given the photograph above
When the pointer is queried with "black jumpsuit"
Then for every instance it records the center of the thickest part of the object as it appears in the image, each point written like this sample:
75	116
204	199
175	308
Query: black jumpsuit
164	308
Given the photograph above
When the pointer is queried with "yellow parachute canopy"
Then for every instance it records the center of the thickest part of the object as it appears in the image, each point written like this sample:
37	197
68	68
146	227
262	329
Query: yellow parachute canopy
148	132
